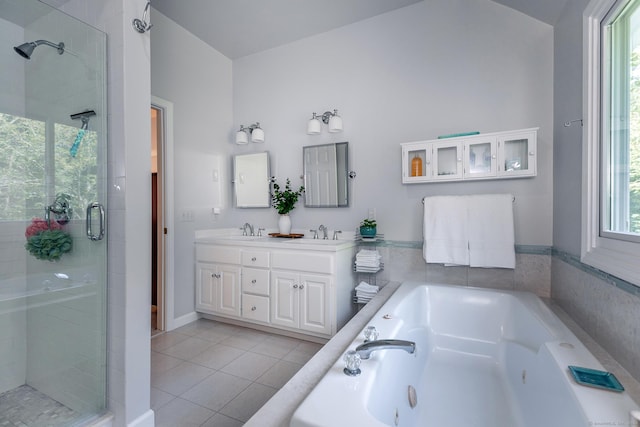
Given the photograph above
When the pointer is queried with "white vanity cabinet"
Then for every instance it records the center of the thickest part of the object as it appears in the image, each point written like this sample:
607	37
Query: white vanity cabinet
217	281
301	288
255	285
300	299
497	155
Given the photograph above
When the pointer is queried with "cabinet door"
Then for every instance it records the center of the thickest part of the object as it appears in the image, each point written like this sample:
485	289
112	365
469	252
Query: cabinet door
315	313
284	298
447	160
205	287
480	158
517	154
228	290
416	162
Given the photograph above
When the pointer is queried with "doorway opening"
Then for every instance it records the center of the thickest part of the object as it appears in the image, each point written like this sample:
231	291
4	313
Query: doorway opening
157	221
162	254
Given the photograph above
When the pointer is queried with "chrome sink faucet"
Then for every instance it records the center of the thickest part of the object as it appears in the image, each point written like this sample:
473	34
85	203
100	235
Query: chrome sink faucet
315	233
324	231
244	229
365	350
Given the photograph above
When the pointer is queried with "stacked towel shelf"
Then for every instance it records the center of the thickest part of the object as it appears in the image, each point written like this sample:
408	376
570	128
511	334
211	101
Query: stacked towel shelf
368	262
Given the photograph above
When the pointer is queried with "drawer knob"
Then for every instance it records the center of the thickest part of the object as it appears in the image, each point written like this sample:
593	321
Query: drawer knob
254	281
253	259
216	275
301	286
295	286
254	308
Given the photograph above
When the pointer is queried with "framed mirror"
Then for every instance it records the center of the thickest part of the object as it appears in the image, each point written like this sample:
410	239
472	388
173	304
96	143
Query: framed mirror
326	171
251	180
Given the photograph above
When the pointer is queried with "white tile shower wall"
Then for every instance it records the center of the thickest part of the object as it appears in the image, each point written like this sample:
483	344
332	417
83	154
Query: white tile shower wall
13	323
13	343
66	326
608	314
532	272
12	253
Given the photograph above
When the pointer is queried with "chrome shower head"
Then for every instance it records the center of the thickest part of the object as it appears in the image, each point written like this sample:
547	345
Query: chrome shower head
26	49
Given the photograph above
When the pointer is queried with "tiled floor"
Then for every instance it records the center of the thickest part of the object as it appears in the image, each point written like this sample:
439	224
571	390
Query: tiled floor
26	406
212	374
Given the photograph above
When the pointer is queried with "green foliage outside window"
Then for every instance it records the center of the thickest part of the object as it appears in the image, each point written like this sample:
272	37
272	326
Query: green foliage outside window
31	173
634	143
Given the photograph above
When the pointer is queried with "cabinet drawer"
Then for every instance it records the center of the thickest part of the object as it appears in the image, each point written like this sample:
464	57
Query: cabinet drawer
255	307
311	262
255	281
221	254
255	258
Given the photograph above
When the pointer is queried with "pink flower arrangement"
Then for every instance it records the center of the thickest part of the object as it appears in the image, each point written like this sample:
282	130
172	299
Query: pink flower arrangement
38	225
47	242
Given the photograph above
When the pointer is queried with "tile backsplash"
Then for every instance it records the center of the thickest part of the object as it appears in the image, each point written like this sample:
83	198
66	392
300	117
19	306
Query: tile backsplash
401	263
609	314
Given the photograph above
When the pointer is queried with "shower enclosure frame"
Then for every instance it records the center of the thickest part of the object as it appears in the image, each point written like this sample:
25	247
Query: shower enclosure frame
55	312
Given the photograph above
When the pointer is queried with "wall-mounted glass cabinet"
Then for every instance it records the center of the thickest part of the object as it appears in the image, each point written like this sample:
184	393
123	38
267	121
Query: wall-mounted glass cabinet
497	155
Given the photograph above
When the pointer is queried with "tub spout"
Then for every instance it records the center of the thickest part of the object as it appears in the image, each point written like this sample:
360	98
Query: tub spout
365	350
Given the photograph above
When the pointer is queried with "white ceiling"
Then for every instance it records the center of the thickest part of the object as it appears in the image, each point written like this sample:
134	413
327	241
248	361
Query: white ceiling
241	27
238	28
543	10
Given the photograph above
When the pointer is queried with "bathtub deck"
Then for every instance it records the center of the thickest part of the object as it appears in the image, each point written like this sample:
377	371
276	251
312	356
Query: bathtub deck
465	389
279	410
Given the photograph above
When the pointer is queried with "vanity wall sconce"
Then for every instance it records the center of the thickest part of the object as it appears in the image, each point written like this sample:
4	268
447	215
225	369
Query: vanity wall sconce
314	127
257	134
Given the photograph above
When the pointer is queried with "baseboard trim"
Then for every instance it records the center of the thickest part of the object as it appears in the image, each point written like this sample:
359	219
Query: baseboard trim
145	420
183	320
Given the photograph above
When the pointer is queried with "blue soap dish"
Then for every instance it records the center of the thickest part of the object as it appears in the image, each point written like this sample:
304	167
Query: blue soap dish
594	378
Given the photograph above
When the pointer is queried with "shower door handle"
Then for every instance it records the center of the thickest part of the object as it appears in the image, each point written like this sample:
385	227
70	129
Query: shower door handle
90	210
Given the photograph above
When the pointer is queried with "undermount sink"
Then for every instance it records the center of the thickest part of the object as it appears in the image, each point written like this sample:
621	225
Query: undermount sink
242	238
316	241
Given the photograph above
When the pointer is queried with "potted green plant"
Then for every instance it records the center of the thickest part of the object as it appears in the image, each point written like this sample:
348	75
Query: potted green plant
284	202
368	228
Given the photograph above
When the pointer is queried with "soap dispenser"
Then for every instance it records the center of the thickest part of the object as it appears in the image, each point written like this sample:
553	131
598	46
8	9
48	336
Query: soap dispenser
416	166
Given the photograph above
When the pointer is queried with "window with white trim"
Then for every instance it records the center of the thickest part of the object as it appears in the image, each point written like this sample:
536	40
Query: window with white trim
610	222
620	144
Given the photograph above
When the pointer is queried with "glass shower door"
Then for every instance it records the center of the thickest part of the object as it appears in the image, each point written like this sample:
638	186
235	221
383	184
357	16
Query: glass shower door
53	250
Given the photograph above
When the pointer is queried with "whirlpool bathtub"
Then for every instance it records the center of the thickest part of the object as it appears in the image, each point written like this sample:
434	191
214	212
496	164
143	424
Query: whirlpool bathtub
483	358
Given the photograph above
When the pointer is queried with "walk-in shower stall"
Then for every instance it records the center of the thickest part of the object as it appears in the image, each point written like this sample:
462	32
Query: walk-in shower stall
53	250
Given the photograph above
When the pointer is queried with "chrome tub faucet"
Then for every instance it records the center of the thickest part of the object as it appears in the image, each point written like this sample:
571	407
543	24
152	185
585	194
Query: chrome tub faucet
365	350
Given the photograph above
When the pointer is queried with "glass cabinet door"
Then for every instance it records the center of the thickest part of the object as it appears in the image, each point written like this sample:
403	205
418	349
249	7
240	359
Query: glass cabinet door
517	154
447	160
416	165
480	158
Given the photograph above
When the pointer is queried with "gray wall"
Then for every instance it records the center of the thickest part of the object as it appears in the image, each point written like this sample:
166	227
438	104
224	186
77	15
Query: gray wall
197	80
567	146
429	69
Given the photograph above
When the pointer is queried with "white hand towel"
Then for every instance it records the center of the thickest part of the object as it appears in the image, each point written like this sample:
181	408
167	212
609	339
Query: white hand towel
491	231
445	230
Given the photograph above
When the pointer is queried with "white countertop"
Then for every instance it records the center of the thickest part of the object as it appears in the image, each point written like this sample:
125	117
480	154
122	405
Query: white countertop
232	237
